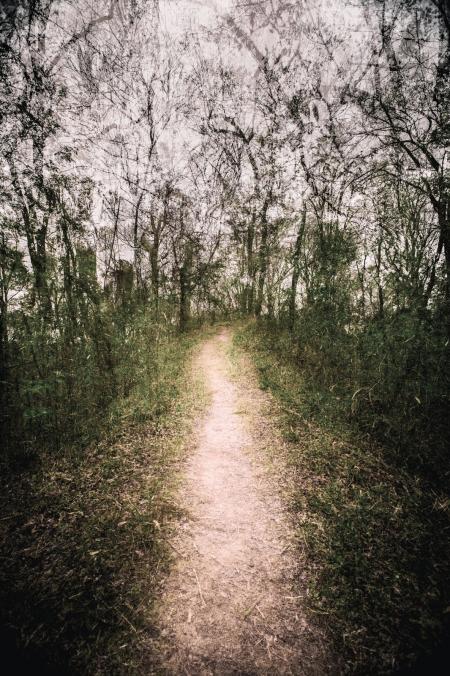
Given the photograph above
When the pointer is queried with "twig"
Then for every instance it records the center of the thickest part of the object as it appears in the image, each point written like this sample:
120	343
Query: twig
252	607
315	610
199	588
176	550
128	622
297	415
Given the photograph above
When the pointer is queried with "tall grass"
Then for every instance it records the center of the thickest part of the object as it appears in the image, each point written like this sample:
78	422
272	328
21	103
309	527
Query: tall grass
83	525
65	383
372	521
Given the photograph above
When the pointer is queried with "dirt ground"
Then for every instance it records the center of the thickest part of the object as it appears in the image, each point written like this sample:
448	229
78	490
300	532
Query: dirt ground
229	605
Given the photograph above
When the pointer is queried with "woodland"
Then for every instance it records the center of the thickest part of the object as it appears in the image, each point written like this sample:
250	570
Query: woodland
277	166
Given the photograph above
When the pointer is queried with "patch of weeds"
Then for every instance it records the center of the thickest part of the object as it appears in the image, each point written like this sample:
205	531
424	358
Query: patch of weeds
85	535
375	534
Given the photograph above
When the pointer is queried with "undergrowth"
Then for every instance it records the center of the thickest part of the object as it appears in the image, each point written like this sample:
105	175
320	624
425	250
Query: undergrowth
375	533
84	532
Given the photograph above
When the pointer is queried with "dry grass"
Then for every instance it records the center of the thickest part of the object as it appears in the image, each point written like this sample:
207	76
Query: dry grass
85	539
373	536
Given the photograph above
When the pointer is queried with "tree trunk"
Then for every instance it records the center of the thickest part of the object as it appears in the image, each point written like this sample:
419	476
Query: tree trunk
250	284
154	266
444	228
262	259
379	286
296	269
137	247
185	287
185	301
3	359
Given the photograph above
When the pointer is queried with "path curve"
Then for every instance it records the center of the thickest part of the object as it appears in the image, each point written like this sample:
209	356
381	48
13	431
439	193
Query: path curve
229	605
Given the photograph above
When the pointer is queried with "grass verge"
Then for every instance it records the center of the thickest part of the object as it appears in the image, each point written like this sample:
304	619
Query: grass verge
376	534
84	535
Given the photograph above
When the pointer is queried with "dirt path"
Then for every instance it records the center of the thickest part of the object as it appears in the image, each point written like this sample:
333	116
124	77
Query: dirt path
229	607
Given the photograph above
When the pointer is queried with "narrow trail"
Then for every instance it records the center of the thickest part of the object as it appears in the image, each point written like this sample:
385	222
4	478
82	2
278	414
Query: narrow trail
229	605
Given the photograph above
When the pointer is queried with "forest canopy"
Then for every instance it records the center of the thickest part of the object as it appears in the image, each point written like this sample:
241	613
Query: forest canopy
184	159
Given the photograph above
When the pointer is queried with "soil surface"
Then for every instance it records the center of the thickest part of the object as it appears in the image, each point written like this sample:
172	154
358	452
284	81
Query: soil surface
229	605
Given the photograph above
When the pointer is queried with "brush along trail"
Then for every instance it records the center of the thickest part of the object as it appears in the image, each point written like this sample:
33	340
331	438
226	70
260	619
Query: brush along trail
229	605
